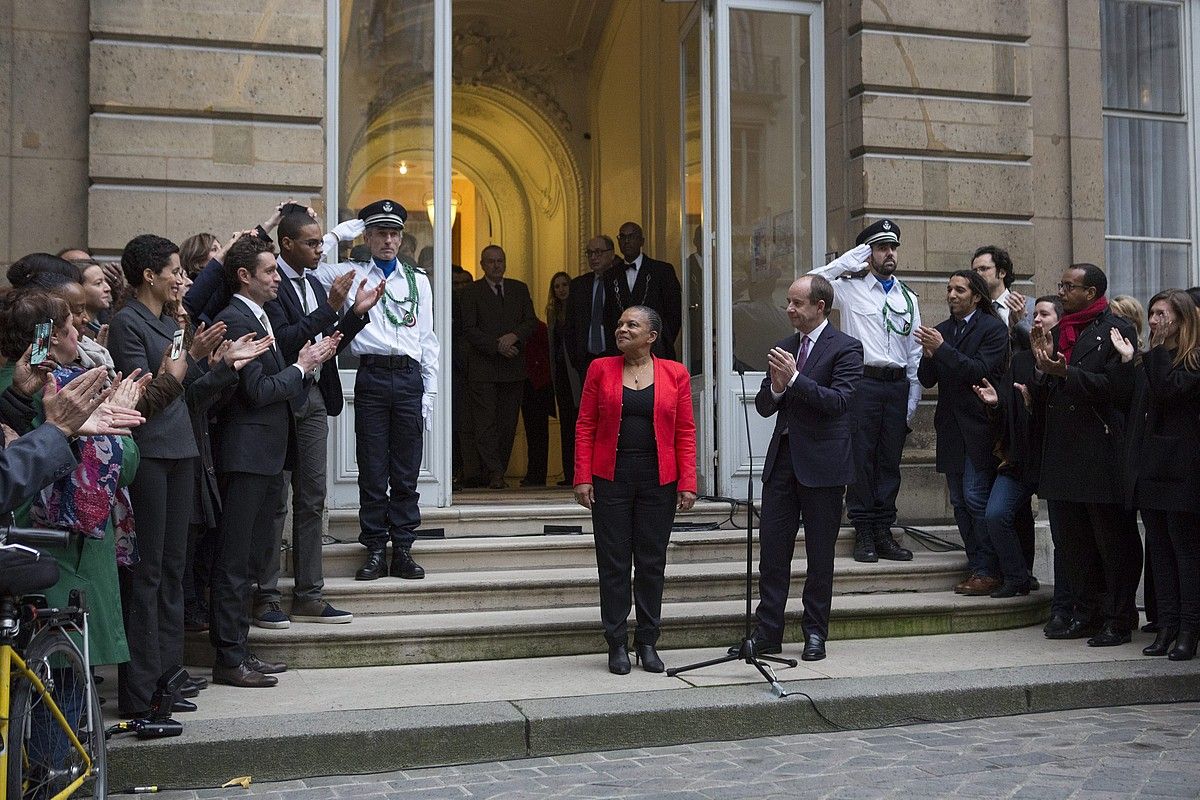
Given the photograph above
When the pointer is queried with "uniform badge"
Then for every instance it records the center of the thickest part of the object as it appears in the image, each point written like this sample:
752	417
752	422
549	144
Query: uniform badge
887	226
387	206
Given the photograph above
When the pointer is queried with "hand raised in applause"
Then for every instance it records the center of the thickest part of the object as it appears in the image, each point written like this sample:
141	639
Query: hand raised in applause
1016	307
1123	345
239	352
127	392
70	408
339	290
930	339
206	339
314	355
782	366
365	299
987	393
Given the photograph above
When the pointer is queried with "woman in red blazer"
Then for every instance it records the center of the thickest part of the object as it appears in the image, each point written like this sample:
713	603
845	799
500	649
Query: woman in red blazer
635	463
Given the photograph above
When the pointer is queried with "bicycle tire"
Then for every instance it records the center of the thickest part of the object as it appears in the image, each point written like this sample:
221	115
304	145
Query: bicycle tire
47	762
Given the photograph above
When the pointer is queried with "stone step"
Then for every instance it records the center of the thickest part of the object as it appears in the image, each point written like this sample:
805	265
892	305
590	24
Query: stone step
481	553
558	587
480	635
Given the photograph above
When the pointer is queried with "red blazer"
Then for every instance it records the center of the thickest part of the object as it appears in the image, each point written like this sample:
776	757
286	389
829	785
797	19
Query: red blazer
600	421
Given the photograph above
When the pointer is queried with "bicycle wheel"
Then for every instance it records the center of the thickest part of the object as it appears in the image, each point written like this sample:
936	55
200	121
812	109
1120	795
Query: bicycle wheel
48	762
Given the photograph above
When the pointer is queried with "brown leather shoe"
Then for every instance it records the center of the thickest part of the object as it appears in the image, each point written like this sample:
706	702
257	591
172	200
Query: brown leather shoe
961	586
265	667
242	675
981	586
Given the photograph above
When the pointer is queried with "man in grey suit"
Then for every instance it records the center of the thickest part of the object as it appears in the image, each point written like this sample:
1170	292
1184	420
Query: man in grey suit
255	443
497	319
812	376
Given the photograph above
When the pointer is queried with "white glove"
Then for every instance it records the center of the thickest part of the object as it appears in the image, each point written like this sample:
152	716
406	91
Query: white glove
349	230
852	260
427	410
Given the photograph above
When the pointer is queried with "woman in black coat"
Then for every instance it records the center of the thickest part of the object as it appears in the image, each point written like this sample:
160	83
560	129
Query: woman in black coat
1162	475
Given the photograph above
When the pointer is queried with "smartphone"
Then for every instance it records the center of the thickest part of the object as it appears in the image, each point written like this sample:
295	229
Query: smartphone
177	345
41	342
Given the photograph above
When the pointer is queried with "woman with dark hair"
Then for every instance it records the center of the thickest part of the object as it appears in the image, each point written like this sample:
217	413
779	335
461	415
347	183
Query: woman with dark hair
957	355
152	590
566	379
42	270
1162	475
635	463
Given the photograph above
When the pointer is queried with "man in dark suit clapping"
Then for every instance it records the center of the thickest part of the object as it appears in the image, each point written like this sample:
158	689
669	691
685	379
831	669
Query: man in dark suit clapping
255	444
497	320
639	280
812	376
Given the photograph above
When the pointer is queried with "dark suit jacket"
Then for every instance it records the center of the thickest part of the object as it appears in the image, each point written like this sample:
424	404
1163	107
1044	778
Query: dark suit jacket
1085	417
657	286
579	323
961	419
1163	457
35	460
293	328
138	339
485	318
815	410
256	429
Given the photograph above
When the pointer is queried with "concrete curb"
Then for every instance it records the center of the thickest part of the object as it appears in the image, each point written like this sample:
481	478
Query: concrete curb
379	740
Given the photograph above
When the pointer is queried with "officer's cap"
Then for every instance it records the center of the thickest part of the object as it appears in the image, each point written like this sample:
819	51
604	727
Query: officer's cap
882	231
384	214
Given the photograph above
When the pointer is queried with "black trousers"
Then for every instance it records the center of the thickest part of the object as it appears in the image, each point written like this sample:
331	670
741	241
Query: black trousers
389	435
1173	550
880	410
1103	555
535	414
152	589
568	413
632	516
785	503
494	408
247	528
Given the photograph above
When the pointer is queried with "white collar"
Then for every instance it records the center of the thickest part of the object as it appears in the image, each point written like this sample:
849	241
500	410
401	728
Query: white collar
816	332
287	270
254	307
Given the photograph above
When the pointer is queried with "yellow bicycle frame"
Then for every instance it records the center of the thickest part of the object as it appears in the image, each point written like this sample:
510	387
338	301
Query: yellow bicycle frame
9	657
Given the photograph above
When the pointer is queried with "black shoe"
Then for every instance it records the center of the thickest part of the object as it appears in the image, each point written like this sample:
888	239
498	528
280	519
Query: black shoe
403	565
1151	627
1077	629
1185	647
183	706
647	656
618	659
1162	644
888	548
375	566
188	690
1033	583
1055	626
762	646
1109	636
864	546
265	667
1011	589
200	683
814	648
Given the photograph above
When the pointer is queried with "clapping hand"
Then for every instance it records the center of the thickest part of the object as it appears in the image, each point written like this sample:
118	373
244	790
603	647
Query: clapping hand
930	339
366	298
71	407
10	435
1016	307
206	339
339	290
127	392
1158	333
237	353
1122	345
782	366
987	393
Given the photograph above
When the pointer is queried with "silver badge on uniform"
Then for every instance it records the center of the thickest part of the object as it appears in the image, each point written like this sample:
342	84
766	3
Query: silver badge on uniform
387	206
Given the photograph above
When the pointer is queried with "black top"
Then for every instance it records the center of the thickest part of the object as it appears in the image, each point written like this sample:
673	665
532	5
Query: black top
637	421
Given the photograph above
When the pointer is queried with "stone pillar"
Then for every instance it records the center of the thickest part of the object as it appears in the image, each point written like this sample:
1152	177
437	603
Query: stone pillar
205	115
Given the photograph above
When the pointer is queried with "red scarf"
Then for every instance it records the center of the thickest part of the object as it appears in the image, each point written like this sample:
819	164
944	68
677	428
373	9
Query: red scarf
1071	324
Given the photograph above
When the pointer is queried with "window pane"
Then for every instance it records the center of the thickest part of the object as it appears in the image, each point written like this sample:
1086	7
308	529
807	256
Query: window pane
1146	178
771	168
1142	269
1141	58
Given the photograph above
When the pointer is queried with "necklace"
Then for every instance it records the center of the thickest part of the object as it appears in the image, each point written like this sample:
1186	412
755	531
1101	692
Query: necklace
407	308
635	370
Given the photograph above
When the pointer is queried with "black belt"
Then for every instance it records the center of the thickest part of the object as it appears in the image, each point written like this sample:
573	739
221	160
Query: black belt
387	362
885	373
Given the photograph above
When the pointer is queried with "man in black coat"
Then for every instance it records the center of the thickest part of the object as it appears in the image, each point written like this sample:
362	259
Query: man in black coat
1087	391
589	334
255	436
639	280
958	354
813	374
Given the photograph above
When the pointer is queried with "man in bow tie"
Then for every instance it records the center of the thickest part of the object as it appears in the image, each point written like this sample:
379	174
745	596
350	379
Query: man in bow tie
638	279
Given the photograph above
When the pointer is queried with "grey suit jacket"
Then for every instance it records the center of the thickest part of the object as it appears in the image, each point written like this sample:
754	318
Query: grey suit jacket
485	318
33	461
137	340
255	430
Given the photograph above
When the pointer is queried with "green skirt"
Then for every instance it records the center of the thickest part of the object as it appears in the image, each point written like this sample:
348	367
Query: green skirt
91	566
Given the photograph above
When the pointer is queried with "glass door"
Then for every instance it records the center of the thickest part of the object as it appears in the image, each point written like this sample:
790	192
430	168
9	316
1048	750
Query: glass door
769	209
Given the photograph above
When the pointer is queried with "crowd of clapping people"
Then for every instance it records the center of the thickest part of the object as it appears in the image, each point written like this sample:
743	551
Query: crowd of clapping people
181	389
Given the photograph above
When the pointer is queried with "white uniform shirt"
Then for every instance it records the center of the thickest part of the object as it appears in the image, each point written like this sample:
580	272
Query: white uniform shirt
861	302
381	337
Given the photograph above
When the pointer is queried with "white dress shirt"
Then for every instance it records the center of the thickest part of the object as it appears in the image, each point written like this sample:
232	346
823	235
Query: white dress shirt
812	337
265	321
381	337
1001	306
861	302
631	274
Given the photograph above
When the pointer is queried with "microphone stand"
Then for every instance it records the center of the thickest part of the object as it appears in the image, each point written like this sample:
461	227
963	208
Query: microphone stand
745	651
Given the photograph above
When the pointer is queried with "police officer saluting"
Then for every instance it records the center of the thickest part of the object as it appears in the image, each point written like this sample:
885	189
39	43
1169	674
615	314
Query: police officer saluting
394	390
882	313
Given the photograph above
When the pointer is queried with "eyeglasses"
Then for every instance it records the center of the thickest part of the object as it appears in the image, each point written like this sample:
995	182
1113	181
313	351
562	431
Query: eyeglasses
625	237
1067	287
590	253
982	269
311	243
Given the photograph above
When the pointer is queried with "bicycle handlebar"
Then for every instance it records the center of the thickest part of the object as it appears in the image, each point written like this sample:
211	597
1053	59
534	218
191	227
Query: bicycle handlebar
34	537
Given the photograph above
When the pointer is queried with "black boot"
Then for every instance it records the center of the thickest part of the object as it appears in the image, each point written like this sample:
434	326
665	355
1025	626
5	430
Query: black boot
647	656
403	565
864	546
618	659
889	548
1185	647
1162	644
375	566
